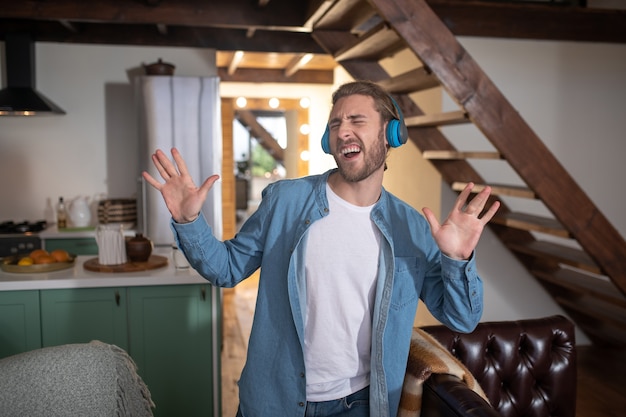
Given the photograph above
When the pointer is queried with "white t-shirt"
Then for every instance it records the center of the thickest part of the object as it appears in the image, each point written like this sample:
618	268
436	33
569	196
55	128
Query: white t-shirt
341	267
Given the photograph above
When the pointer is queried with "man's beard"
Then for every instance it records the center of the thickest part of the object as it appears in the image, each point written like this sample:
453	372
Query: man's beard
374	159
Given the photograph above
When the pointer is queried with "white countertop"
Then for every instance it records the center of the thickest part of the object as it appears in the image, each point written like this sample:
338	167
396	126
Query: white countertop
79	277
51	232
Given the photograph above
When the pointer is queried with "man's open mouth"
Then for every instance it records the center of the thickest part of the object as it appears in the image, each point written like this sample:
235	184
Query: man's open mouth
350	151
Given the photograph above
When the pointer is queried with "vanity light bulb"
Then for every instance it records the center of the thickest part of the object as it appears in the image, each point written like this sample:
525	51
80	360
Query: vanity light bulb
274	102
241	102
305	102
305	129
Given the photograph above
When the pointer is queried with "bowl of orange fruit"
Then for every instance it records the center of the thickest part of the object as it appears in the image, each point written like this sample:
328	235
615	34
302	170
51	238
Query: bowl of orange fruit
38	260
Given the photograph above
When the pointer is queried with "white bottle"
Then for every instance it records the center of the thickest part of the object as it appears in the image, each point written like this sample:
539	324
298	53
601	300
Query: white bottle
49	212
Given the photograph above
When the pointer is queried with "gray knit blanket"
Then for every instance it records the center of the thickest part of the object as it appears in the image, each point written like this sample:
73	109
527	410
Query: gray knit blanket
92	379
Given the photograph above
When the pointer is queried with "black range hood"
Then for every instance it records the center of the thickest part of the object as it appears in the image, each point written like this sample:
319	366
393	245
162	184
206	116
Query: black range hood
19	97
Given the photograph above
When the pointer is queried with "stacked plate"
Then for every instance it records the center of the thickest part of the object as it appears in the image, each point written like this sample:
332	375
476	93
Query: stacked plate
118	210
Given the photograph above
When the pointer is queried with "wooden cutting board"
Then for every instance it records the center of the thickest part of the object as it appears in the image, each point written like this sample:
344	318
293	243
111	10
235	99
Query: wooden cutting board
154	262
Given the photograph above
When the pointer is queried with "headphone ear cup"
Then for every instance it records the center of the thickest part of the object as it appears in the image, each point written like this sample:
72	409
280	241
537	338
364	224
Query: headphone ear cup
392	133
397	133
326	140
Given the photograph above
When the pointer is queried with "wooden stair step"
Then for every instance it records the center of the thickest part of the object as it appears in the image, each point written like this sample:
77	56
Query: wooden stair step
440	119
583	284
455	155
346	15
380	42
607	314
559	253
498	189
418	79
599	332
530	222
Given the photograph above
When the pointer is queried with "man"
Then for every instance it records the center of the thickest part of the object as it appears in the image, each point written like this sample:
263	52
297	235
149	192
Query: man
343	263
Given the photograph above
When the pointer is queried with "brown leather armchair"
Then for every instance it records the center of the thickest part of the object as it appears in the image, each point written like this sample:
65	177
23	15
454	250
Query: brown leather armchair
527	368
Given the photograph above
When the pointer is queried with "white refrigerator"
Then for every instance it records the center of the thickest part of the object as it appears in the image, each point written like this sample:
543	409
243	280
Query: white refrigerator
182	112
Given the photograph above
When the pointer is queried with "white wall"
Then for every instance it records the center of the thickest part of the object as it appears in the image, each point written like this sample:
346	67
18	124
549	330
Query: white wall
92	149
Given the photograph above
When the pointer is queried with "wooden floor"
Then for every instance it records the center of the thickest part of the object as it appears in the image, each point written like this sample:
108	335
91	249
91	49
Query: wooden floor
601	373
238	308
601	382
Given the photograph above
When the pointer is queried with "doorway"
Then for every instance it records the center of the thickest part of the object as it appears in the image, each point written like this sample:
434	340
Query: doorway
248	167
270	142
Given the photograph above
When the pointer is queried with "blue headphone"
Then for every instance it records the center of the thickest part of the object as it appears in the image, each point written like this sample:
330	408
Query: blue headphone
396	132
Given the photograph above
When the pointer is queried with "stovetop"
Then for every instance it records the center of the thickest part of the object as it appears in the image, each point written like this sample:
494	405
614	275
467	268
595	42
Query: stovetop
20	238
25	227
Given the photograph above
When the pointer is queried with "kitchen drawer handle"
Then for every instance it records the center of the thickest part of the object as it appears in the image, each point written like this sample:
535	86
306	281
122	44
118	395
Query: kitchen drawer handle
203	293
117	298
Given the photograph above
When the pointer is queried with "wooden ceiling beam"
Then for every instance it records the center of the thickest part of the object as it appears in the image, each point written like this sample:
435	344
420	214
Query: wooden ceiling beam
115	34
161	28
285	25
234	63
68	25
280	15
256	75
297	63
531	21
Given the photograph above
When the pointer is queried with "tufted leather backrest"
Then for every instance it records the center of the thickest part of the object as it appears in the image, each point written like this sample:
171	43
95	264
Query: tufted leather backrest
527	368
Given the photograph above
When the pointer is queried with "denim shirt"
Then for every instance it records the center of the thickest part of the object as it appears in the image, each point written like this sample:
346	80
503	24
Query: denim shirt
411	267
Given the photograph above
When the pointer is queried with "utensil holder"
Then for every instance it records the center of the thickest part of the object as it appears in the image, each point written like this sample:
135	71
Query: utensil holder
111	245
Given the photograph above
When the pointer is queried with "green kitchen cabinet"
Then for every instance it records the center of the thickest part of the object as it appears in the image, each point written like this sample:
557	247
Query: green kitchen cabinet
19	322
172	332
174	338
75	246
81	315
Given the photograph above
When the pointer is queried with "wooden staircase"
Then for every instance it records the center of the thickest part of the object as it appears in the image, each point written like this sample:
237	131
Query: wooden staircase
257	131
575	253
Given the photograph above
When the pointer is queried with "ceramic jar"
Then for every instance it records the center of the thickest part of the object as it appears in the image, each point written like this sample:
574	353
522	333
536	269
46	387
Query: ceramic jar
138	248
159	68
